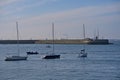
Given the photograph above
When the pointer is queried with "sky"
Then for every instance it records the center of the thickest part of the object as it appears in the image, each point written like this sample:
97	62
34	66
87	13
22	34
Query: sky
35	18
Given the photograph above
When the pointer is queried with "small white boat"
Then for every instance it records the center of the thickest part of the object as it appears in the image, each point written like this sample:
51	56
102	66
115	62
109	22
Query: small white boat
83	53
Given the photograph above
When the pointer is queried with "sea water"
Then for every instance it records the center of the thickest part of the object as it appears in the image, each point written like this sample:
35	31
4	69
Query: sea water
102	63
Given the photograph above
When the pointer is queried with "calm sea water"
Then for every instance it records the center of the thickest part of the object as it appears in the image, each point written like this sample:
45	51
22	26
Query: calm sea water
102	63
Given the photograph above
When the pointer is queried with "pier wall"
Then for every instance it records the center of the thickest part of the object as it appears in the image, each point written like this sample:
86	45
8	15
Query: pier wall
62	41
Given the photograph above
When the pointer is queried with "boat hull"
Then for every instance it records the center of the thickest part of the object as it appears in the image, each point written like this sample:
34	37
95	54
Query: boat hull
51	57
16	58
32	53
83	55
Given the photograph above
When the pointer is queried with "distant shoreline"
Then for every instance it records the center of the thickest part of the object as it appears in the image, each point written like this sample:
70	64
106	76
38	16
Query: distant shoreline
59	41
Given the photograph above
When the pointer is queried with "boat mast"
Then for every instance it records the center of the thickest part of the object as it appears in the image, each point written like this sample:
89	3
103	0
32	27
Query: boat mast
17	38
84	35
53	36
84	31
97	33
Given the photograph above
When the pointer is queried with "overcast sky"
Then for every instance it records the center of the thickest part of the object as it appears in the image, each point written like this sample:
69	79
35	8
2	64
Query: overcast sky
35	18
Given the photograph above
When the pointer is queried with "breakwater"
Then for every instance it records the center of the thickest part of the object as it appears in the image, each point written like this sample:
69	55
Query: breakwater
15	41
61	41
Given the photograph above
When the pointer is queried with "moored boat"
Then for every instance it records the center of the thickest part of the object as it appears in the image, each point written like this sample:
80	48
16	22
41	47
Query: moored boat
32	53
83	53
18	57
53	55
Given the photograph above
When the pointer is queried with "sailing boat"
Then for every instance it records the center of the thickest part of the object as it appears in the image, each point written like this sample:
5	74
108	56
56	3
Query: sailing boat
52	56
18	57
83	53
